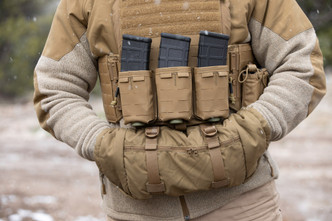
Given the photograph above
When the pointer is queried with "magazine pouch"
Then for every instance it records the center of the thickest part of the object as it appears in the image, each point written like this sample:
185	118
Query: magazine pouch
174	92
137	96
211	92
239	56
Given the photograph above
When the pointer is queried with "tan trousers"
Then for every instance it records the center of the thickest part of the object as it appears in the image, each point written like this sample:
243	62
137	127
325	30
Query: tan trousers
261	204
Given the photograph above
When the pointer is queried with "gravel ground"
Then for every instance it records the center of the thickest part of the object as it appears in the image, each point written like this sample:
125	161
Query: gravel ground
44	180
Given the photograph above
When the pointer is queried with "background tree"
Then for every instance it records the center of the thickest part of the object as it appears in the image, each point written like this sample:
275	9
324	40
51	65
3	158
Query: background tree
320	14
24	26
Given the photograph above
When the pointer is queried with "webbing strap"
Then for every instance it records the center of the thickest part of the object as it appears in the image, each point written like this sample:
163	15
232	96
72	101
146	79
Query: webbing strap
210	133
225	17
185	209
154	184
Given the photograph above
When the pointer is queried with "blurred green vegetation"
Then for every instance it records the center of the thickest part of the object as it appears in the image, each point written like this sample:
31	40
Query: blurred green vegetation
320	14
24	26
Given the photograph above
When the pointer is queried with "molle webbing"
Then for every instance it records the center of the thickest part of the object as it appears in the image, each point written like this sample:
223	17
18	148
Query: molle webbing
148	18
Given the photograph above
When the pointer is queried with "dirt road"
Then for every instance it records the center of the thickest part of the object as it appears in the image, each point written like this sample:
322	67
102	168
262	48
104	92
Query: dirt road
42	179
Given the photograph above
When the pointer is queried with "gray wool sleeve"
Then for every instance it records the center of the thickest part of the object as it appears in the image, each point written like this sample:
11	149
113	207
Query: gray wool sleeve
63	87
287	99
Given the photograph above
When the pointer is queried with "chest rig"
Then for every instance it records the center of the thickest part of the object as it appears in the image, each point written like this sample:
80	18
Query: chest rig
159	95
192	94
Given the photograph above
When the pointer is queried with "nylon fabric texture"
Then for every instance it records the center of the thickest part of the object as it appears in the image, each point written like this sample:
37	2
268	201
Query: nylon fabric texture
260	204
185	162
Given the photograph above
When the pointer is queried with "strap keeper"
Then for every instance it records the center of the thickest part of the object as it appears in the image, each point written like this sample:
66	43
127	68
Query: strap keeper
220	179
213	142
154	184
150	144
219	184
155	188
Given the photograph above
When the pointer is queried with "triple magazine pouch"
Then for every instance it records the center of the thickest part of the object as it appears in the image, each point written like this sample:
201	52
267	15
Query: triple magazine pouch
183	92
145	160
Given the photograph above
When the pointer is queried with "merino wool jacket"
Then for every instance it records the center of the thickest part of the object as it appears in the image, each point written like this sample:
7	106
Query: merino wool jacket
283	41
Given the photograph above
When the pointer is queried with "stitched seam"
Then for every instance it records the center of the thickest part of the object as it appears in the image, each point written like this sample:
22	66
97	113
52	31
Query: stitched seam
269	28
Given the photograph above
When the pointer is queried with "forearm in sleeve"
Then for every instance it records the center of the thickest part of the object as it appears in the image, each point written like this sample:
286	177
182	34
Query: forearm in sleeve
64	76
285	43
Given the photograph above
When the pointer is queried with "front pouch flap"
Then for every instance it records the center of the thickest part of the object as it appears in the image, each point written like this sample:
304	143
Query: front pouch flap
137	96
170	162
182	163
108	154
174	91
254	132
211	92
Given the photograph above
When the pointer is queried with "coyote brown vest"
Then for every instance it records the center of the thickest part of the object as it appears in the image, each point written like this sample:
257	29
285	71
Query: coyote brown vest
159	159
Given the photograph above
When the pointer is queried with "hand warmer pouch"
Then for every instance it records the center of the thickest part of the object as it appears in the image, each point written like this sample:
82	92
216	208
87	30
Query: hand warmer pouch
159	160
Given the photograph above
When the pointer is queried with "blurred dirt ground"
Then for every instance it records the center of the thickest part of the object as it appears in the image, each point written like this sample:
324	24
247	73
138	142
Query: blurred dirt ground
42	179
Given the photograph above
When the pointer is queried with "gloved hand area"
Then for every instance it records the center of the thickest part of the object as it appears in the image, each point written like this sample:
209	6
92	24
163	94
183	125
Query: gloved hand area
253	131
